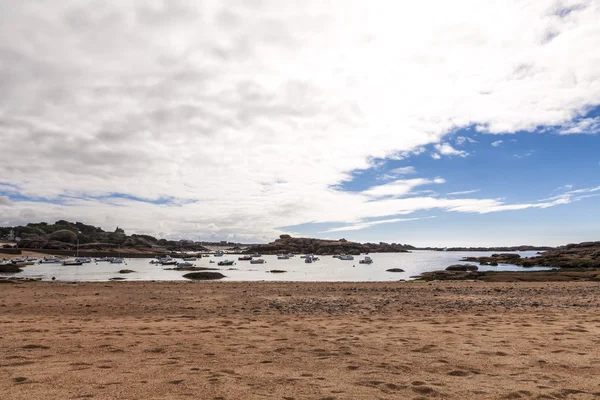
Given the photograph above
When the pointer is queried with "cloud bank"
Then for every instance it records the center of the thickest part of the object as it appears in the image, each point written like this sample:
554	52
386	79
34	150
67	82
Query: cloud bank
206	119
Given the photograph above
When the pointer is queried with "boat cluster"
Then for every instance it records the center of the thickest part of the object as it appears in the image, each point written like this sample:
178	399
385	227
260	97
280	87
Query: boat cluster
348	257
254	259
63	261
86	260
310	258
168	260
20	261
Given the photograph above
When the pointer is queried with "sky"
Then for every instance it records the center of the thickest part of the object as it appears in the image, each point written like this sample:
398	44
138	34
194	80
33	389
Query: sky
463	123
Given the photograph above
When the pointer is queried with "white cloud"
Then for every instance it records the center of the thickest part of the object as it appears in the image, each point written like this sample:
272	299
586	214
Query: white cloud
460	140
365	225
396	172
403	170
447	150
5	201
238	111
463	192
497	143
523	155
589	126
435	156
565	187
399	187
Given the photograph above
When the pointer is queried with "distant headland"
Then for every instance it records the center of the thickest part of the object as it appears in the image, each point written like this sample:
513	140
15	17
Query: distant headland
67	236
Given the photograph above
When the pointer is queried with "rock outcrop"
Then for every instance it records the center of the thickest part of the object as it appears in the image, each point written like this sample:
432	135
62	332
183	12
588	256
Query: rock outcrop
204	276
582	255
10	268
287	244
462	267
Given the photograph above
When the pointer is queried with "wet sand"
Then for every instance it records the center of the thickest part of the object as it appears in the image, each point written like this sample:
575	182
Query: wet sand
215	340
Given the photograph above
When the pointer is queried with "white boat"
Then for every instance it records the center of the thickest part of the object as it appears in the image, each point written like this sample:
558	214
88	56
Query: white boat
257	261
189	259
102	259
219	253
226	262
346	257
72	262
24	262
367	260
256	255
117	261
51	260
84	260
283	257
308	260
185	264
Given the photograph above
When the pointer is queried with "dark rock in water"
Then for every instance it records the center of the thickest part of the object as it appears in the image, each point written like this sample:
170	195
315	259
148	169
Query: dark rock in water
191	269
395	270
126	271
10	268
462	267
117	279
202	276
506	256
277	271
448	275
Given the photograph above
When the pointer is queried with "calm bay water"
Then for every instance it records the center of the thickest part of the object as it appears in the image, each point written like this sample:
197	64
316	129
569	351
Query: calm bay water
327	269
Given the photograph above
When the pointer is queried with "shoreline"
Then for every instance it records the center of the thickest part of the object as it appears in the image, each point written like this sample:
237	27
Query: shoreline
300	340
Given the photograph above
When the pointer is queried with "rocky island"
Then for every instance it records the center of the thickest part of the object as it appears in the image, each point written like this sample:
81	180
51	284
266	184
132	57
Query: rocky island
581	255
573	262
287	244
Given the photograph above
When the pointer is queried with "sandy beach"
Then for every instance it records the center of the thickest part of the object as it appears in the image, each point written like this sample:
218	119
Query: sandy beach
211	340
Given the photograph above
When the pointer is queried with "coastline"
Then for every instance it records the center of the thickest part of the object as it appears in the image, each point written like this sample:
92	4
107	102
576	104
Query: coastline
229	340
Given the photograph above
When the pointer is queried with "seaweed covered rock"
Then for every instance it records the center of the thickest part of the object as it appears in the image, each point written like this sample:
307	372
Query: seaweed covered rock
462	267
204	276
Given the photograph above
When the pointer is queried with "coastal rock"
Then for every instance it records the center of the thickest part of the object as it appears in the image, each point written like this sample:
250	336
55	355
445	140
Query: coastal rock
395	270
126	271
506	256
448	275
203	276
572	256
462	267
277	271
10	268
